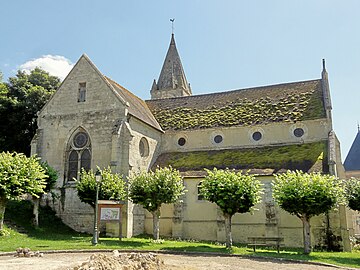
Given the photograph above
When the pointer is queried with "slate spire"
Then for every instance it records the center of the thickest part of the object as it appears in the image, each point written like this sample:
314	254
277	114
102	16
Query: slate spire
352	161
172	81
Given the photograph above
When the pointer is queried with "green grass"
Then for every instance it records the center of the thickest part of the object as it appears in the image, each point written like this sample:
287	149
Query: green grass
53	235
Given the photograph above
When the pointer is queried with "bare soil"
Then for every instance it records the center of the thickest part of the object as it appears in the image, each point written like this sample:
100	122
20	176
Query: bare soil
65	261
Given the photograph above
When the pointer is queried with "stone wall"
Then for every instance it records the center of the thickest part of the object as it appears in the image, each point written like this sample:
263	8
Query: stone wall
241	137
61	117
202	220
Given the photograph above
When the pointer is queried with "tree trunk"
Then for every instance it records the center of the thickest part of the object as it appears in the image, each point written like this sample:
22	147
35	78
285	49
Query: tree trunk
36	202
156	224
306	234
2	212
228	230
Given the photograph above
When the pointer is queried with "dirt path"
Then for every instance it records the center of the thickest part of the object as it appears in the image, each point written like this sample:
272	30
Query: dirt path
62	261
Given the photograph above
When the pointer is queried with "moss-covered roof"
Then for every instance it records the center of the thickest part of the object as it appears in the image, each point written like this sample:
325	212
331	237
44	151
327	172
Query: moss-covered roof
288	102
267	160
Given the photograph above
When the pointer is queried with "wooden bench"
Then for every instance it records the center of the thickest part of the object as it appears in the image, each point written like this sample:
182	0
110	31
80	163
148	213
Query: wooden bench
265	241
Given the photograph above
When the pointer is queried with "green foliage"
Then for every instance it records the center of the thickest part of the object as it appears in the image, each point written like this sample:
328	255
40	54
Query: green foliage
20	175
20	100
305	156
307	194
153	188
112	186
52	174
234	192
5	232
352	192
244	112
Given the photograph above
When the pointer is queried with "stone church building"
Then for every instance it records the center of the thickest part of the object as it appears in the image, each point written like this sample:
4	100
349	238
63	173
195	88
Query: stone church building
92	121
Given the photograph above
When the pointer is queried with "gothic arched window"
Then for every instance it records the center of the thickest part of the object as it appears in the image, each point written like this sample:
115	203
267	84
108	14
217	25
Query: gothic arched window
78	154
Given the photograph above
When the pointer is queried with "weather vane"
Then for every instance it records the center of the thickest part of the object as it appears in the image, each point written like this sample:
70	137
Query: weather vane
172	25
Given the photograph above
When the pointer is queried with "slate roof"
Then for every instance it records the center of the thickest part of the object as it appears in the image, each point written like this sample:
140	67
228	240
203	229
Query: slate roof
138	107
172	74
288	102
352	161
308	157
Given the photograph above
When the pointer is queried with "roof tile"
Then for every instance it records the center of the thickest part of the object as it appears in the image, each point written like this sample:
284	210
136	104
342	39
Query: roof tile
137	107
307	157
288	102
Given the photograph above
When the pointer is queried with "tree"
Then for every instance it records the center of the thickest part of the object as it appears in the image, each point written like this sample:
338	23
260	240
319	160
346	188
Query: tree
20	100
154	188
112	186
352	193
52	176
306	195
19	175
234	192
5	103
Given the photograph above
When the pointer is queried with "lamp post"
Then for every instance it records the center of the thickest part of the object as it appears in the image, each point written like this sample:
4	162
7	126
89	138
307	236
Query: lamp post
98	181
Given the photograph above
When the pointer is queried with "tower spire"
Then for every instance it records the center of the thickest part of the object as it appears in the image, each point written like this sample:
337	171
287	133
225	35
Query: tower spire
172	81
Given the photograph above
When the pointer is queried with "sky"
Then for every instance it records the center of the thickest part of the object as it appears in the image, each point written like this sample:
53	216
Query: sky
223	45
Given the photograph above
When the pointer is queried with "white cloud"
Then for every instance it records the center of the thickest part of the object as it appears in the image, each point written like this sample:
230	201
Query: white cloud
56	65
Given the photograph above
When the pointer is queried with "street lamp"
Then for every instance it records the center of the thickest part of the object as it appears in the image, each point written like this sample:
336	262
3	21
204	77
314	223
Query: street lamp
98	181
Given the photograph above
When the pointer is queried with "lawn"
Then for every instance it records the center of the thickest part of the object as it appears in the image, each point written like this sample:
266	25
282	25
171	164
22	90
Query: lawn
53	235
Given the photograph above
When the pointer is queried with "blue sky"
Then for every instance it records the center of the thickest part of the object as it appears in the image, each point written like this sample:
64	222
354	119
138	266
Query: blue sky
228	44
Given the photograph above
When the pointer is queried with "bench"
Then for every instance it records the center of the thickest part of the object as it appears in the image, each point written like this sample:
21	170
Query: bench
265	241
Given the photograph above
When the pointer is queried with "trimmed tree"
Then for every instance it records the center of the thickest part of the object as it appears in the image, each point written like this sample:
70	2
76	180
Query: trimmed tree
112	186
234	192
306	195
154	188
352	193
19	175
52	176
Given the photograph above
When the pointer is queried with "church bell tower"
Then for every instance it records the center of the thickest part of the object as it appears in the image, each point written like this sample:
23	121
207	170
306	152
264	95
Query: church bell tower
172	80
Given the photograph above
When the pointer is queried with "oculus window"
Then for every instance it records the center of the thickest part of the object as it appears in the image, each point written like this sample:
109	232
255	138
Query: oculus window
144	147
181	141
218	139
257	136
299	132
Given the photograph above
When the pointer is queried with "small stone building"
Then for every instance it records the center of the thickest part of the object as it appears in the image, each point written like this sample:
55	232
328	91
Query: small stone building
93	121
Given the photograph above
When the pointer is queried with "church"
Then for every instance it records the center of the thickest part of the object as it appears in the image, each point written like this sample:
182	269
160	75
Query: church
92	121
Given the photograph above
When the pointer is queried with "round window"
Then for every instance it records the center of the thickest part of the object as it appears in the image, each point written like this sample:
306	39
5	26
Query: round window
218	139
298	132
257	136
80	140
181	141
143	147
